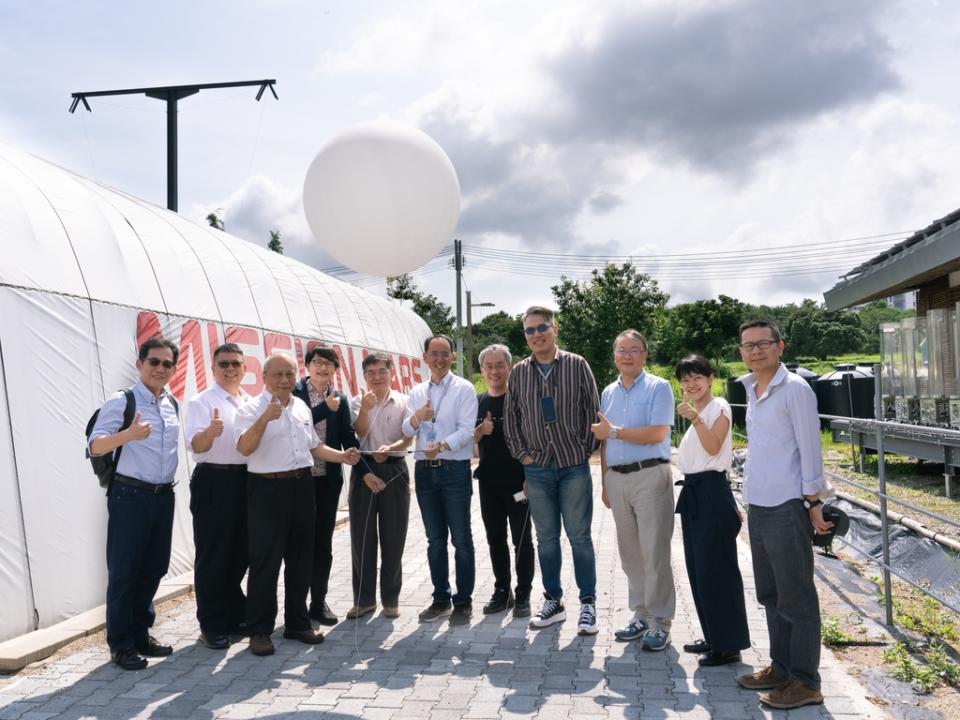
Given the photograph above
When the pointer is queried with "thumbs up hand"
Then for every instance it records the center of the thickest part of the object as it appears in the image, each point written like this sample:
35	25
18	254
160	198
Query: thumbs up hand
215	428
138	430
486	427
332	400
368	401
601	428
686	409
274	410
424	413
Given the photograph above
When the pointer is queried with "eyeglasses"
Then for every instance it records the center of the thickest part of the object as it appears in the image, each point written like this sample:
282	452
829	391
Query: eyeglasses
224	364
382	372
439	354
322	363
635	352
167	364
534	329
760	345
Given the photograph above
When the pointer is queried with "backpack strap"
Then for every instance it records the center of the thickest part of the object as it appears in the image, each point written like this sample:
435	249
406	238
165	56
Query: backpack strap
129	410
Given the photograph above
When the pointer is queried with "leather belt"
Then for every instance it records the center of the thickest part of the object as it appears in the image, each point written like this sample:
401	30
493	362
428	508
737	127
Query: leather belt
155	488
221	466
637	466
298	473
439	463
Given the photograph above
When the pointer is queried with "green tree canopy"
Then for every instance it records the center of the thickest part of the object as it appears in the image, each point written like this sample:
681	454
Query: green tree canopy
275	243
435	313
591	313
706	327
871	315
815	332
499	327
214	221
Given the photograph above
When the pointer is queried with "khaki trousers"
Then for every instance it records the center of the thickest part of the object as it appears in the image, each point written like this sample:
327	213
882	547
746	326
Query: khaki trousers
642	504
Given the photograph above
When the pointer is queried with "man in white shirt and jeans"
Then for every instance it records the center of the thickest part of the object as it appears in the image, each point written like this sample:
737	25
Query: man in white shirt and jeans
782	479
218	501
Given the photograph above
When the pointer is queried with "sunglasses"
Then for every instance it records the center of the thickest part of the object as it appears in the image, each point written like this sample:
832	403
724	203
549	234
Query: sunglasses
167	364
541	328
224	364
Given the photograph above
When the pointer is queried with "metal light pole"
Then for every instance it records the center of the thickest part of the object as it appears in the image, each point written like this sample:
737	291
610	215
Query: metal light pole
470	333
458	266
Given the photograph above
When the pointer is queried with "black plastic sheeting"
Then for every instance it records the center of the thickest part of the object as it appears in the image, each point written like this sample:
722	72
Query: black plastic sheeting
916	558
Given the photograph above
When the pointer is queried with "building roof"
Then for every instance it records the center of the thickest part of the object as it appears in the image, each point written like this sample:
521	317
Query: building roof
927	254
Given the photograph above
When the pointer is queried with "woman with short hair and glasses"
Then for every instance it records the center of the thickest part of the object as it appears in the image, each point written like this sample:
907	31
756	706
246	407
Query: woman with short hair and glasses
709	517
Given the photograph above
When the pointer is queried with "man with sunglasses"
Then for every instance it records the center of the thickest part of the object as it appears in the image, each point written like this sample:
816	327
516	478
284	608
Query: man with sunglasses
139	503
551	404
332	421
440	415
218	501
782	478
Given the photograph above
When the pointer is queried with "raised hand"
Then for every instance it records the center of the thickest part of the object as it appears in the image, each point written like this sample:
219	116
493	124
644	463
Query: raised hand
138	430
686	409
601	428
332	400
486	426
368	401
424	413
274	410
215	428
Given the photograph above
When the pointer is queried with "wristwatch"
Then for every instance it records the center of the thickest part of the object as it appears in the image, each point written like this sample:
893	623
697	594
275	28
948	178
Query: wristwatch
812	503
614	431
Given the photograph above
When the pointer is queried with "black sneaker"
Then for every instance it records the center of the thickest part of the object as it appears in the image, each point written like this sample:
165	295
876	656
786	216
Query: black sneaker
500	601
214	641
522	608
323	614
461	614
151	648
128	659
551	612
436	611
587	623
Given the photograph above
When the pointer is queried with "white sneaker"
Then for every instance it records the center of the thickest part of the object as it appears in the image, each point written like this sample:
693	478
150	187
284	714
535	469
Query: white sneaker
587	625
551	612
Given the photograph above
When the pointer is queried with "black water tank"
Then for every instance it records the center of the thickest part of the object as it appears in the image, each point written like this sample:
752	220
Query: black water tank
737	395
808	375
846	391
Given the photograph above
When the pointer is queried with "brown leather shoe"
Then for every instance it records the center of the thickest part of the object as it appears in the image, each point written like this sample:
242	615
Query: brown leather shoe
310	636
391	611
792	694
358	612
765	679
261	645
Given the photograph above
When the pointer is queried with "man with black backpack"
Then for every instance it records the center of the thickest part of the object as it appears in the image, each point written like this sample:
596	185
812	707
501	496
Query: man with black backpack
139	501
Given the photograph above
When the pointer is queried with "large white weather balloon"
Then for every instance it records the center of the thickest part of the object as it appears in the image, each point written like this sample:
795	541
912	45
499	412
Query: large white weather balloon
381	198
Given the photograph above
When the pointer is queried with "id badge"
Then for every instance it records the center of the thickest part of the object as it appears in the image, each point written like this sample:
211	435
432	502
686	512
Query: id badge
431	433
548	409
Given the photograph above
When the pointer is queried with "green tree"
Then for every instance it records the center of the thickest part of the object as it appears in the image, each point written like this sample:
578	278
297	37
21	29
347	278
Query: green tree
275	243
592	312
435	313
871	315
499	327
707	327
815	332
214	221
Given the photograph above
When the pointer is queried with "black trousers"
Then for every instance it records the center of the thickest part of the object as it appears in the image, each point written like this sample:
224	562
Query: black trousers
280	521
497	507
218	503
710	523
379	519
326	498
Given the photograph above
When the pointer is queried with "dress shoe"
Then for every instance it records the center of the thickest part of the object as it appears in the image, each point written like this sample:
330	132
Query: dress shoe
436	611
308	636
697	648
261	645
240	630
500	601
214	641
128	659
358	612
461	614
151	648
323	614
391	611
522	608
713	658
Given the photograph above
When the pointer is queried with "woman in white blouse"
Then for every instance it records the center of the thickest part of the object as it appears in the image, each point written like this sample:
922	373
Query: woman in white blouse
709	517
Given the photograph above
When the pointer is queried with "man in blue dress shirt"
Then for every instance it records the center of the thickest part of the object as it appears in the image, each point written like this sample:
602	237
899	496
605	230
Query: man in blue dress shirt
139	503
781	482
634	427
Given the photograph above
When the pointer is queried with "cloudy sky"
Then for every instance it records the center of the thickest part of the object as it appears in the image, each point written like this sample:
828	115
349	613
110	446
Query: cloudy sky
665	131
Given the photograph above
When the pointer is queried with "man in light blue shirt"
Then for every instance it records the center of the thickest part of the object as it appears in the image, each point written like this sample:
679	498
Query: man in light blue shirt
139	503
441	414
783	476
634	428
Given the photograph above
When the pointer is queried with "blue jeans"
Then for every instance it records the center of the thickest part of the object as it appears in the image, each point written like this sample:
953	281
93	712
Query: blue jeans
443	495
563	494
139	529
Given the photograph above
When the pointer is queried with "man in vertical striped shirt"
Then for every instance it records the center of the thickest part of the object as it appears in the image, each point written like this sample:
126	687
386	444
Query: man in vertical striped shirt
551	404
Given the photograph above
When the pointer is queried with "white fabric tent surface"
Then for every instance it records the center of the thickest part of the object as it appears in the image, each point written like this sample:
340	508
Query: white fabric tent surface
87	274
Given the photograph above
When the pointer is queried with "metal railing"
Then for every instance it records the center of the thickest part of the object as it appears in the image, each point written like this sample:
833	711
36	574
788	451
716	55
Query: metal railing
878	427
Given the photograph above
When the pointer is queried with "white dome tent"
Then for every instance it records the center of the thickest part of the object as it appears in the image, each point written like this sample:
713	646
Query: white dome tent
87	273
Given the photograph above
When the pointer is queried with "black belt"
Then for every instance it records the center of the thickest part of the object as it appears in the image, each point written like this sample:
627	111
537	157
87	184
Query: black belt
155	488
298	473
439	463
220	466
637	466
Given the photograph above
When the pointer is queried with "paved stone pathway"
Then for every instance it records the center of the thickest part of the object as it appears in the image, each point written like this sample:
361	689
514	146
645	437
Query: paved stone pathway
380	668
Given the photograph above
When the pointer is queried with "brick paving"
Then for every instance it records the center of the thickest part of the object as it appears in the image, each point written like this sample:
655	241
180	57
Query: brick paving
495	668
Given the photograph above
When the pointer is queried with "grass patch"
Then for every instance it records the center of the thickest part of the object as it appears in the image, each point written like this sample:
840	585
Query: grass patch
831	634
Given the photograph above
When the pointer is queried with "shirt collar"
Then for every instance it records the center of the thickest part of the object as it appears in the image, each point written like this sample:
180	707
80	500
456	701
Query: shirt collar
443	383
636	381
222	392
750	380
144	393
